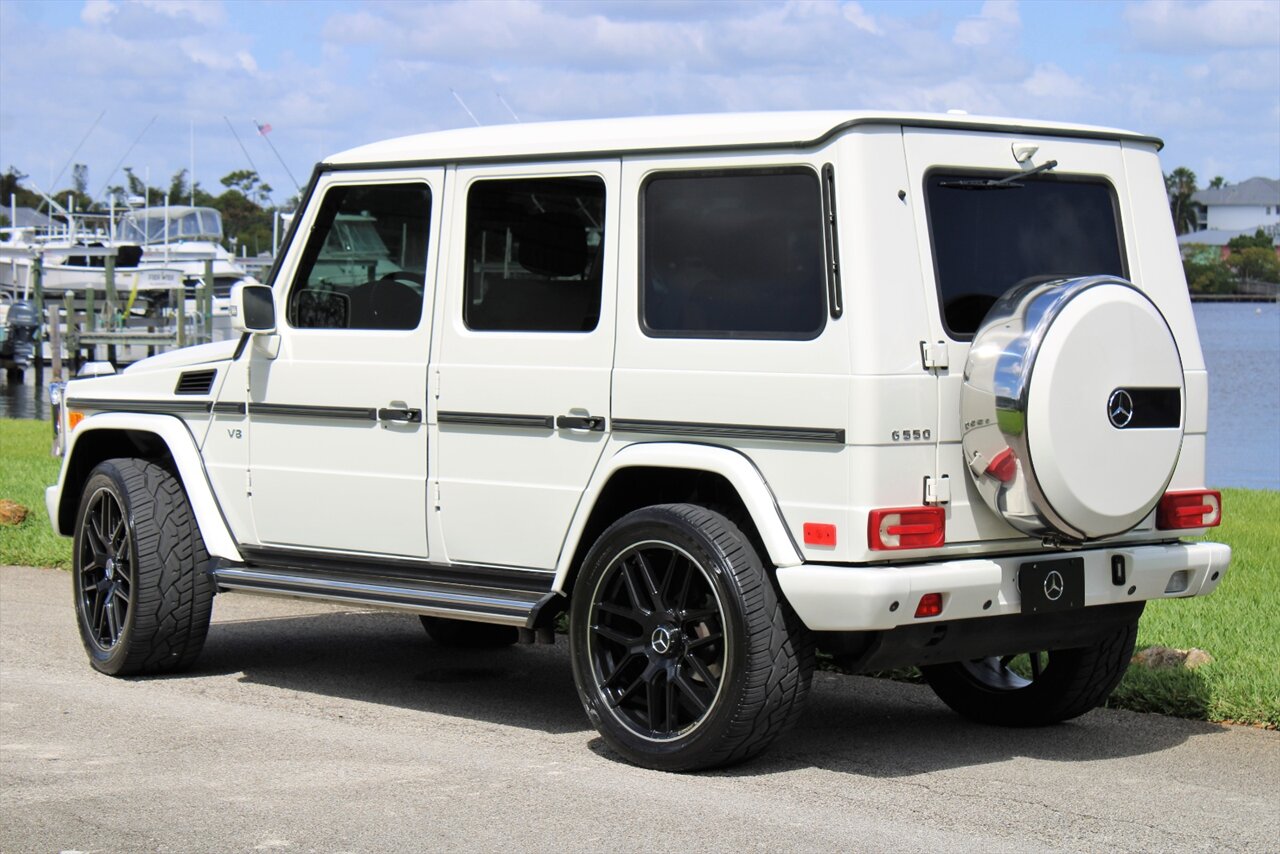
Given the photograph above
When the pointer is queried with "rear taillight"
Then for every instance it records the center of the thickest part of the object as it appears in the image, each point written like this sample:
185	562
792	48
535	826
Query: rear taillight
1196	508
907	528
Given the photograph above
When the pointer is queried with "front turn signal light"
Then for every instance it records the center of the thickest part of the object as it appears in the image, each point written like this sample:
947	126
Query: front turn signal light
907	528
1194	508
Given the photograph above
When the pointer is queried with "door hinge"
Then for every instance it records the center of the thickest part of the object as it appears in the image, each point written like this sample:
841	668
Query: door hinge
934	355
937	490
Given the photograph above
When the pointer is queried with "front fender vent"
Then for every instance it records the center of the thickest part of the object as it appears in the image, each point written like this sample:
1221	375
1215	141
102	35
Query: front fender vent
195	382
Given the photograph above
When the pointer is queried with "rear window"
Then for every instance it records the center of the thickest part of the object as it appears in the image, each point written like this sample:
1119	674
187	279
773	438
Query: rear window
987	240
734	255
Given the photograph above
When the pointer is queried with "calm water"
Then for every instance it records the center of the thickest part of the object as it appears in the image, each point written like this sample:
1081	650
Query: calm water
1241	344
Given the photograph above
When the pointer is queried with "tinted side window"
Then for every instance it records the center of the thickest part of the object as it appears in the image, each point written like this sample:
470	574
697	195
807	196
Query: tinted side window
364	263
534	253
985	241
733	255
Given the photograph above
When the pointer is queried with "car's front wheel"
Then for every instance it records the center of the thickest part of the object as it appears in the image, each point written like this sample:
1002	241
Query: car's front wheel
143	596
684	655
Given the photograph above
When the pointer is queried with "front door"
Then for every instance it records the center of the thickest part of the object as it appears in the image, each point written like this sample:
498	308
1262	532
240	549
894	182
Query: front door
525	356
337	413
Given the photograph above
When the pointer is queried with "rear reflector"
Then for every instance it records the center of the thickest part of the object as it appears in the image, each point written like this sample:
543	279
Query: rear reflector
930	605
907	528
819	534
1196	508
1004	466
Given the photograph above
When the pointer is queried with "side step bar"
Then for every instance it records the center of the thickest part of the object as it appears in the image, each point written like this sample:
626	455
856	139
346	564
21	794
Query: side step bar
507	606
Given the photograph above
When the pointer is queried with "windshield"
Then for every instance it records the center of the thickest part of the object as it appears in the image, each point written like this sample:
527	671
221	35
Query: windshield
988	238
184	224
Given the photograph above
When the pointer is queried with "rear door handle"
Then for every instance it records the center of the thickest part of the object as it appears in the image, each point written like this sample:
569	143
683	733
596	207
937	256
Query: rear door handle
580	422
413	416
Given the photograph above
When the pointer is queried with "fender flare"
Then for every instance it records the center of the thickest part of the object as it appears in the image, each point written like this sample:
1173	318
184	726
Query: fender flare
732	465
186	457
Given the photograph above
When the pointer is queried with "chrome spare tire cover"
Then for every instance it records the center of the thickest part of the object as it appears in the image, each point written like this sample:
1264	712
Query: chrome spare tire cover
1073	407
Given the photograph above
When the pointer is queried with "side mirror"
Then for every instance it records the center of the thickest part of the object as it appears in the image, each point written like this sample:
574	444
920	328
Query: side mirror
253	309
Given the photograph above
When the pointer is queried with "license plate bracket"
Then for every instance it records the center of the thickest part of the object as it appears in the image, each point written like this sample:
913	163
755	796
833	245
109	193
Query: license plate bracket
1051	585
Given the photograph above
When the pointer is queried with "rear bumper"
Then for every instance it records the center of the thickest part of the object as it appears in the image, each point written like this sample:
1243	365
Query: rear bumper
874	598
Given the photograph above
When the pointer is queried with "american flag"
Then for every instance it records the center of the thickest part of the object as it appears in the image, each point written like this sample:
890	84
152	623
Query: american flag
263	129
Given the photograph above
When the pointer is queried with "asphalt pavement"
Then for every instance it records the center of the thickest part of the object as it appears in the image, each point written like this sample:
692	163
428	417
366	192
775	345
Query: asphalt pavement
309	727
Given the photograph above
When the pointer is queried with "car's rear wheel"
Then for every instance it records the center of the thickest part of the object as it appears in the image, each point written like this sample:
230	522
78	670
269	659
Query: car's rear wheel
683	653
1036	688
143	595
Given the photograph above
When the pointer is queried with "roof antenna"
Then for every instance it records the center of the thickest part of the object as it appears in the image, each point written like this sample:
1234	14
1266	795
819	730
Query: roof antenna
464	106
508	106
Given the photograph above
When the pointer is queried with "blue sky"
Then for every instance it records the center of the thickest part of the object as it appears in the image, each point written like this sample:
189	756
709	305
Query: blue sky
329	75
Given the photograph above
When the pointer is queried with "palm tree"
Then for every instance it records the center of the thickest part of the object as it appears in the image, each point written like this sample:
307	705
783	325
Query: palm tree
1181	184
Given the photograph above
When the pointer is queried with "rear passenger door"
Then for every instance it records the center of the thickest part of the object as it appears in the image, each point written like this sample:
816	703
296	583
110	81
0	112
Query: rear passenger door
526	351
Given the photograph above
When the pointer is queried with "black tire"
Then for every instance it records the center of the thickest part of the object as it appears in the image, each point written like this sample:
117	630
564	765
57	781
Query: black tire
143	594
464	634
683	653
1039	688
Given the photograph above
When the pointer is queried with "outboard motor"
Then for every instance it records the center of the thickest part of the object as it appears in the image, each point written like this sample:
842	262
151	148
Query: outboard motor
19	348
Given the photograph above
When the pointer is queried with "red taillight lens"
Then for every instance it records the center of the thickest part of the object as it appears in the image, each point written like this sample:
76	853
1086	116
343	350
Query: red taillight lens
930	605
1196	508
907	528
819	534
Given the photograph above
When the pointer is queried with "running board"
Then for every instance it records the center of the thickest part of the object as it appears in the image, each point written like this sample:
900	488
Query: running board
507	606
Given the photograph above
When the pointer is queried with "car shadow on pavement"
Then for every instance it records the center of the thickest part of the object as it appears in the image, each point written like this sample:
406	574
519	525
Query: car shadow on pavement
881	728
853	724
387	658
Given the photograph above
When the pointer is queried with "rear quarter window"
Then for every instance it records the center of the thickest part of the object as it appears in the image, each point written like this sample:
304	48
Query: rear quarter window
733	254
986	241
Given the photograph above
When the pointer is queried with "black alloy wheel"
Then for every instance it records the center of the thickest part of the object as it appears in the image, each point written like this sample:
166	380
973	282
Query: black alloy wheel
105	570
657	643
1035	688
684	655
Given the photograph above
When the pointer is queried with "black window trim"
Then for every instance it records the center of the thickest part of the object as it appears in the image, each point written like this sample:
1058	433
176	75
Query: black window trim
973	172
317	191
715	172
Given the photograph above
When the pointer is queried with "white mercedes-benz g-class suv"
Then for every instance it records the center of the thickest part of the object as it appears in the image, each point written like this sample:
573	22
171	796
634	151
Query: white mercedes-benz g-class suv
913	389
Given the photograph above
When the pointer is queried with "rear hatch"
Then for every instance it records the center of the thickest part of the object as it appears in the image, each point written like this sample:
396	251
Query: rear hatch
995	211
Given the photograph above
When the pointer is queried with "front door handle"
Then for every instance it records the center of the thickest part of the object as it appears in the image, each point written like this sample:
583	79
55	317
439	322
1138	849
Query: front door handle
413	416
580	422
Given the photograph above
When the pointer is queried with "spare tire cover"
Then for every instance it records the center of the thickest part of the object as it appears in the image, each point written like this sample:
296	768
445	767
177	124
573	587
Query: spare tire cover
1073	407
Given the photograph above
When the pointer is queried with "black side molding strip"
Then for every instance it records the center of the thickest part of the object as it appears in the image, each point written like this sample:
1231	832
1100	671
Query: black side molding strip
497	419
728	431
145	406
353	413
229	408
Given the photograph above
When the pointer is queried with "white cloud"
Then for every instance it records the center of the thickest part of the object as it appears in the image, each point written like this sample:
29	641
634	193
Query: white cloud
996	21
1183	27
856	15
1050	81
95	12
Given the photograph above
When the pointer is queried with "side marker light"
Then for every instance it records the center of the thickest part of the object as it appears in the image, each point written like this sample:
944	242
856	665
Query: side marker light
819	534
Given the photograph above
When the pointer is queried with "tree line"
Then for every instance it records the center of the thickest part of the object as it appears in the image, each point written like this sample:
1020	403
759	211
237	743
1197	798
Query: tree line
245	202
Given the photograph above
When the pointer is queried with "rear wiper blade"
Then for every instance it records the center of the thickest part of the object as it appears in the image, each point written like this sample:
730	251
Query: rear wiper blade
1009	183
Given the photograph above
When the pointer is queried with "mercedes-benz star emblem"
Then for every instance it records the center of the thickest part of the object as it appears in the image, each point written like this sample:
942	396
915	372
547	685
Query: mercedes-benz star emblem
1120	408
1053	585
661	640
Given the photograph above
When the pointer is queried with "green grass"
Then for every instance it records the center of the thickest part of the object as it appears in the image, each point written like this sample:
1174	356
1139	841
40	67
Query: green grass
1239	625
26	468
